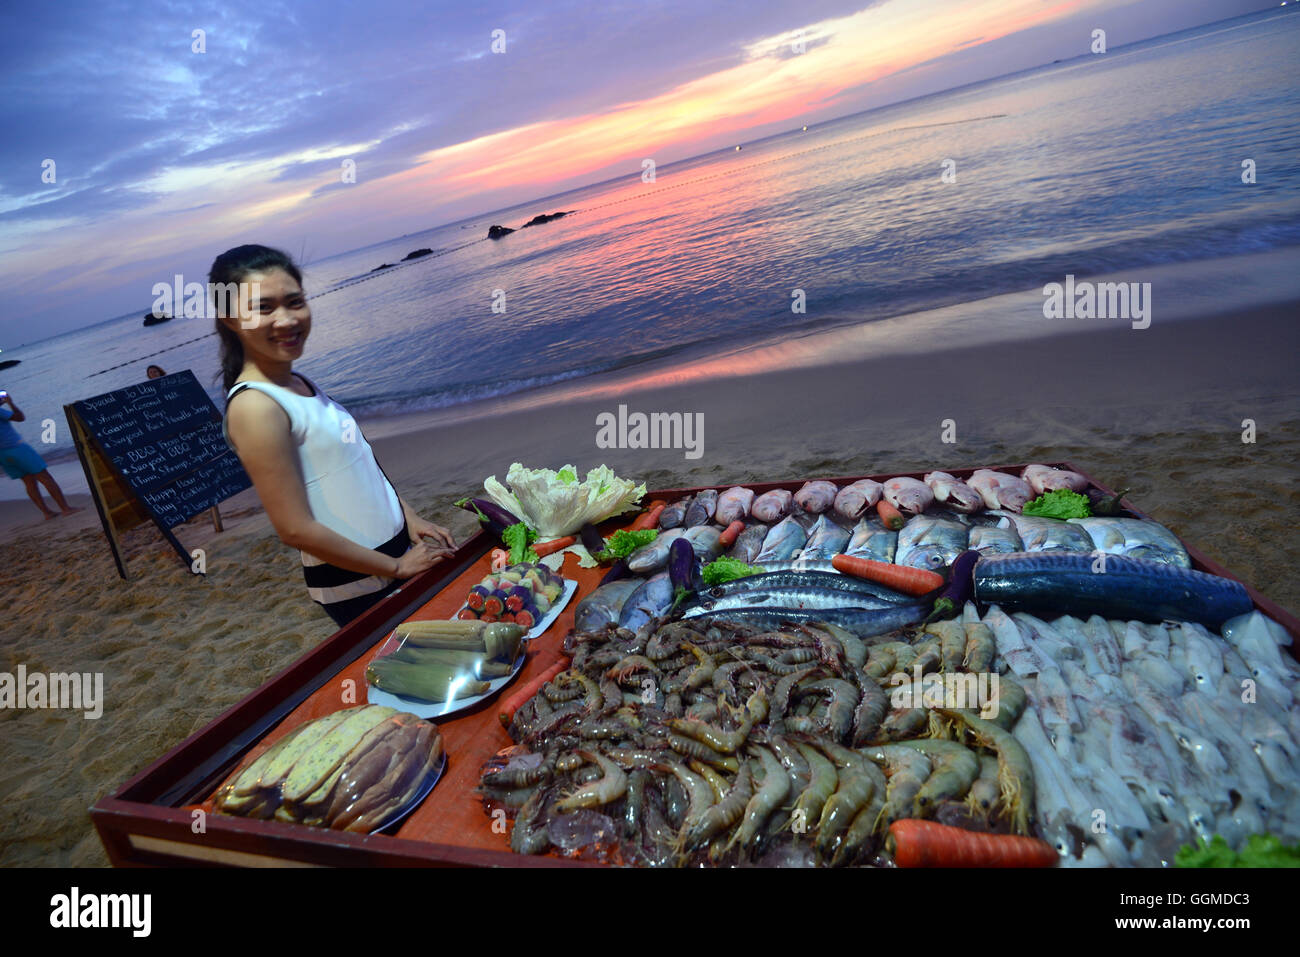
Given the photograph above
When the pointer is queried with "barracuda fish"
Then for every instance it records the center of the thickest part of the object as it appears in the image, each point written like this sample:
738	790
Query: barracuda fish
954	492
816	497
782	542
705	541
826	539
1045	478
1135	538
603	605
652	557
863	622
910	496
872	540
651	600
772	506
749	543
1047	534
995	540
797	578
700	511
1128	589
809	599
1000	490
733	505
674	514
855	499
930	543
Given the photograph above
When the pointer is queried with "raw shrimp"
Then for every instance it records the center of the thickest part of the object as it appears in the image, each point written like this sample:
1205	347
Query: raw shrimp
610	786
1015	775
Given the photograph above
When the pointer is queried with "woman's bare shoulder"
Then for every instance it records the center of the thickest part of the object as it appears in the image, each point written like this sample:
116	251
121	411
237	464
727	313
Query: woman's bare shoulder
254	410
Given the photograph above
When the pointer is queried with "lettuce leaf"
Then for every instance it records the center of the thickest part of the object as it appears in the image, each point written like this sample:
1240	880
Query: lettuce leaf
726	569
1060	504
623	543
519	539
1261	850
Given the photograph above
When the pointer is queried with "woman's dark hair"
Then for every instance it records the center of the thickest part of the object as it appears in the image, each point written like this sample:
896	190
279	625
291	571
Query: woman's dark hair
233	266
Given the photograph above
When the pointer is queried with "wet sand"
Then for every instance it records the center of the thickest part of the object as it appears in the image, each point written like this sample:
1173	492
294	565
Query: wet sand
1158	410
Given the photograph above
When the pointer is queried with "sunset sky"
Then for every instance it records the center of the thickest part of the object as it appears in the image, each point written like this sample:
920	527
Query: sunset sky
164	156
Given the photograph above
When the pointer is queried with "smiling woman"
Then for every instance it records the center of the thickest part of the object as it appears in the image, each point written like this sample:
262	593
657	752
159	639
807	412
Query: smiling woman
314	471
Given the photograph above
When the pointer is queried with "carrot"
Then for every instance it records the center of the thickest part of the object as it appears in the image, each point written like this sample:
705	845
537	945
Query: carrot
554	545
910	581
648	518
929	844
731	533
891	516
526	692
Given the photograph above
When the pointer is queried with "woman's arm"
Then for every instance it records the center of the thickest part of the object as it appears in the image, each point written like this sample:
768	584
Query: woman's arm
420	528
18	413
259	429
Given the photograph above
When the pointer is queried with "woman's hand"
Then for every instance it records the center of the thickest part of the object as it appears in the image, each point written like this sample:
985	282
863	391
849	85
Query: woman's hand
420	557
435	535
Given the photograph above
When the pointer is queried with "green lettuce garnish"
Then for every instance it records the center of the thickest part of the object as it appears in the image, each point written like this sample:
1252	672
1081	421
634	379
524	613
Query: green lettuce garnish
569	477
726	569
623	543
1261	850
1060	504
519	538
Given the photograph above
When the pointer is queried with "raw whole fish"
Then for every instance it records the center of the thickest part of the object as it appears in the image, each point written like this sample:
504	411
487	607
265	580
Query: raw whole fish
855	499
652	557
650	601
700	511
872	540
733	505
1047	534
1045	478
788	597
994	539
772	506
1001	490
602	606
705	540
954	492
1135	538
826	539
674	514
1129	589
749	543
799	578
930	543
782	542
816	497
863	622
910	496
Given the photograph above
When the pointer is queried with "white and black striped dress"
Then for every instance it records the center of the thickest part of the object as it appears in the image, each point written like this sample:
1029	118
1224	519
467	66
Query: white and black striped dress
347	490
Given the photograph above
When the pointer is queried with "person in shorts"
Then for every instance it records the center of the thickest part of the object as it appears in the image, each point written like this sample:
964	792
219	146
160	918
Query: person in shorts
21	461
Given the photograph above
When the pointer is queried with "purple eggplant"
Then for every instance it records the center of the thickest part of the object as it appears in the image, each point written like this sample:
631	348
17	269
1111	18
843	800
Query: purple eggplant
592	540
617	571
960	588
681	569
496	518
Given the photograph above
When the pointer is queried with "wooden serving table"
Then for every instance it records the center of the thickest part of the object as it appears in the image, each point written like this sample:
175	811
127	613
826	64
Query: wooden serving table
164	815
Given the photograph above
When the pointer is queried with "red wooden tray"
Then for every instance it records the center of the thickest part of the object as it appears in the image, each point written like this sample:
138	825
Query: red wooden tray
150	820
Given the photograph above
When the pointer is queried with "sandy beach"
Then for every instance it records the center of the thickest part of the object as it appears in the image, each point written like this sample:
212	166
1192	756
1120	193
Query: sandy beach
1159	411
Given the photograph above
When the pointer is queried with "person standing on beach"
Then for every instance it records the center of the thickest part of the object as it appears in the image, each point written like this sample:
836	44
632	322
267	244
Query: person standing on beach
21	461
316	475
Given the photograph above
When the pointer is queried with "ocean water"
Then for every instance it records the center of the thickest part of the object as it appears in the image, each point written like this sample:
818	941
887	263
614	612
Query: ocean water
1127	163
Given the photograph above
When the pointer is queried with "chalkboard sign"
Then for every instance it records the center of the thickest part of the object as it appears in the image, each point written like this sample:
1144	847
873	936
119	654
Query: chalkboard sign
162	441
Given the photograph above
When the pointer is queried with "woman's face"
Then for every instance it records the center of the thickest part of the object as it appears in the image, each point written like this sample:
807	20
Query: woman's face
274	319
